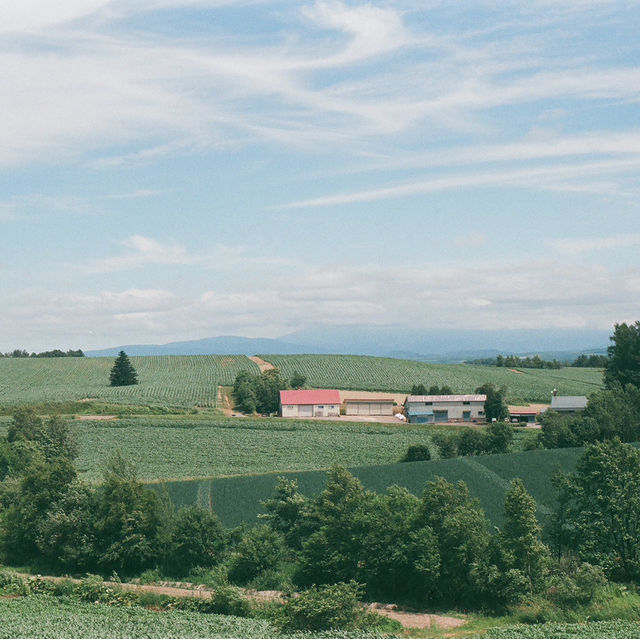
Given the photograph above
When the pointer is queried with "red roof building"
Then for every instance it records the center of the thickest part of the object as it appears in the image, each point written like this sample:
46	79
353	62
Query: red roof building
310	403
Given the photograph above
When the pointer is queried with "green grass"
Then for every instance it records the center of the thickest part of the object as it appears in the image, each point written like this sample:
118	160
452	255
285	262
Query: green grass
39	617
386	374
174	447
237	499
183	381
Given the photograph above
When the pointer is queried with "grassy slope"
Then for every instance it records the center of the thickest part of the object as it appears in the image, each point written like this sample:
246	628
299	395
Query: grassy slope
237	499
169	380
379	373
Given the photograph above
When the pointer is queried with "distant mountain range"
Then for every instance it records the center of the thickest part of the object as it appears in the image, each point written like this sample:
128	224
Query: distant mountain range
389	341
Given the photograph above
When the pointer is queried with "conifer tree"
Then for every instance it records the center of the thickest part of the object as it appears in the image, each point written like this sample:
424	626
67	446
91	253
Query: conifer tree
123	373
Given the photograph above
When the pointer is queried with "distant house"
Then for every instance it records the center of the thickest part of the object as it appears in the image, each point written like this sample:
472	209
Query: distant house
310	403
435	409
374	406
568	404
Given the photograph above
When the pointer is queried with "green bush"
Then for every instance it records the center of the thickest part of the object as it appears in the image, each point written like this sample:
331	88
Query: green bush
417	452
260	549
324	608
575	584
447	445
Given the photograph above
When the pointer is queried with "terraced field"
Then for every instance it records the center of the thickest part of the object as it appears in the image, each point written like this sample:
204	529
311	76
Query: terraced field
183	381
237	499
386	374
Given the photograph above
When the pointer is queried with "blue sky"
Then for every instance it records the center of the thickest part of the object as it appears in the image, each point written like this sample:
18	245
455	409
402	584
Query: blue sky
175	170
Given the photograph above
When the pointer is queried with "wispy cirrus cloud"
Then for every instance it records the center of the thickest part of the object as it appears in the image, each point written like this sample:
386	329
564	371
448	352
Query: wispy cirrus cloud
534	177
106	85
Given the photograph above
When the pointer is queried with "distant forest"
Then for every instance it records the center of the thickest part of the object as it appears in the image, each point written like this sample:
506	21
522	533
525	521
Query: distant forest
54	353
513	361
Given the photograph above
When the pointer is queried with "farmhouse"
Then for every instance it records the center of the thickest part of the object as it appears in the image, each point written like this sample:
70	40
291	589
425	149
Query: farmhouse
428	409
374	406
568	404
310	403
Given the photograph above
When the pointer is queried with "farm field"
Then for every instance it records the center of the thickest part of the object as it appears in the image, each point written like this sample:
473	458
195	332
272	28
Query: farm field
236	500
588	630
183	381
36	617
204	446
385	374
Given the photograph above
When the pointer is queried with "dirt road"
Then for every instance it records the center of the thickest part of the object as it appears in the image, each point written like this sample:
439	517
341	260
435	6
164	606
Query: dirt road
264	366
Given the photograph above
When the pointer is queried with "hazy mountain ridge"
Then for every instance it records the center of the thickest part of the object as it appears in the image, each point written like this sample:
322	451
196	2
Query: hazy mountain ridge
389	341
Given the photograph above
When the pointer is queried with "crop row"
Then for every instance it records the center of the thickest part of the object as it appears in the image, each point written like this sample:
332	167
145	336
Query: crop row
169	447
593	630
387	374
237	500
41	617
163	380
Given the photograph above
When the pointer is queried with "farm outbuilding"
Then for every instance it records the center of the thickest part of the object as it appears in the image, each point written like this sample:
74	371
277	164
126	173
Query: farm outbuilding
431	409
310	403
568	404
523	414
373	406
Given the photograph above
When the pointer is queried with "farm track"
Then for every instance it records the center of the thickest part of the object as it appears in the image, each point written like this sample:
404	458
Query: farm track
263	364
407	619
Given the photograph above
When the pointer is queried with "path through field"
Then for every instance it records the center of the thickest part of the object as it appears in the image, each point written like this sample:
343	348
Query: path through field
407	619
264	366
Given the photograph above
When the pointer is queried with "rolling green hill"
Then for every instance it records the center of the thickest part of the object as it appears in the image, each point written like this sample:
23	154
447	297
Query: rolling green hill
237	499
183	381
190	380
385	374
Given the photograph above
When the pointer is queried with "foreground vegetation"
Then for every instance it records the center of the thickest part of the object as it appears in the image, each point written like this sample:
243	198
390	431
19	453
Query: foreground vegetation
386	374
36	617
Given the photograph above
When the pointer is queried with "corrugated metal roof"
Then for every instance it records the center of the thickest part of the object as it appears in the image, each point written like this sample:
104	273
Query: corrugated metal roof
306	397
568	402
369	400
446	398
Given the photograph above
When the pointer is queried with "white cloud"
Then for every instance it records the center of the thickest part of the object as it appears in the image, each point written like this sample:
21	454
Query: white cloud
525	294
106	86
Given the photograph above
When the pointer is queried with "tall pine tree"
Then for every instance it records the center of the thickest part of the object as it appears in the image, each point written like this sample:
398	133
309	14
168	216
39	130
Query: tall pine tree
123	373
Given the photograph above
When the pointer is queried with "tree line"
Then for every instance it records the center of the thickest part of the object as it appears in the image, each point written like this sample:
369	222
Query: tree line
261	393
515	361
56	352
611	412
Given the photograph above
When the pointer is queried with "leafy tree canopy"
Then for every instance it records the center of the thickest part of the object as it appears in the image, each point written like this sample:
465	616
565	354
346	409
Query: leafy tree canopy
623	365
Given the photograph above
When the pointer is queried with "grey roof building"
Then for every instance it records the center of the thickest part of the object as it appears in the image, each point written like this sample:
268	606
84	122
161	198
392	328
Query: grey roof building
568	403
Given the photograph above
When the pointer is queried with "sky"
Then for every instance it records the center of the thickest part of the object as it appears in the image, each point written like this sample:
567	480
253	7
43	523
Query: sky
179	169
